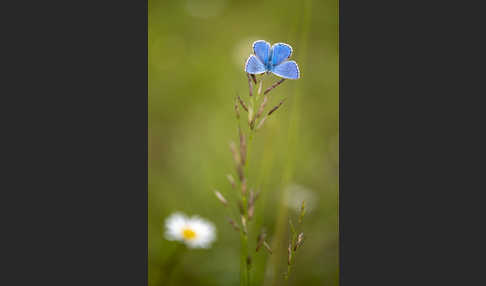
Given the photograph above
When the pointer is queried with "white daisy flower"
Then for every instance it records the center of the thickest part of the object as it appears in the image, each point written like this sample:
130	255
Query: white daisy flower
195	231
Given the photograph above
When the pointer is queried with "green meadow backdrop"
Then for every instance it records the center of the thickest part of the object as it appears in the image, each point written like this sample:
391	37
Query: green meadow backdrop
197	52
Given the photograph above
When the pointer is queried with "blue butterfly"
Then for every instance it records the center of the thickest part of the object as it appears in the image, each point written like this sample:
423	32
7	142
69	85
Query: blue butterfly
272	59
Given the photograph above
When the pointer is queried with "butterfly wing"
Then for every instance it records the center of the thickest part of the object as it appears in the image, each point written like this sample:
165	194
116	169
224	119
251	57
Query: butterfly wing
262	51
287	69
280	52
254	65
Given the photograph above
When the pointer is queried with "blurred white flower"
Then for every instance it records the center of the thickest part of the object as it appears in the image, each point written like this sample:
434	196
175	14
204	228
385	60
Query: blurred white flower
195	231
297	194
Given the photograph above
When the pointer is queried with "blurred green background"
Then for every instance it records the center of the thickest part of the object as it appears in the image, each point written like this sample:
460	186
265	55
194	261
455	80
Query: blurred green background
197	51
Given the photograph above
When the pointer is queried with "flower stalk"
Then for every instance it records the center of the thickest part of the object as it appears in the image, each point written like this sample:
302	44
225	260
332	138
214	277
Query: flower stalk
255	106
295	242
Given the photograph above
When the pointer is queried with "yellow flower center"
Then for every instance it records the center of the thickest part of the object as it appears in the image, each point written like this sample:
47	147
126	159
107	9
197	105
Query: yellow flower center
188	233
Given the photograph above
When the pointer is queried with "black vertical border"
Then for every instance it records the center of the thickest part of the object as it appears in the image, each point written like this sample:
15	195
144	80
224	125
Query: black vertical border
410	148
74	129
373	110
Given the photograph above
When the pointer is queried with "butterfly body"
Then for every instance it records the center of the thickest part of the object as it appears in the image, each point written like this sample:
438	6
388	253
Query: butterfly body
272	59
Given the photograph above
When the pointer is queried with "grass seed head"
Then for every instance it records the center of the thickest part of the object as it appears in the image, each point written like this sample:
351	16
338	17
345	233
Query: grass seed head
260	124
260	240
243	187
274	86
231	180
233	224
243	224
300	241
262	106
242	146
276	107
250	86
302	212
242	103
221	198
251	211
267	247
